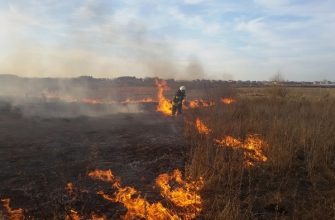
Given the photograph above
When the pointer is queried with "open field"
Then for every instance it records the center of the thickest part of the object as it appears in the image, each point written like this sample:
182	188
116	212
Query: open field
266	153
286	168
292	92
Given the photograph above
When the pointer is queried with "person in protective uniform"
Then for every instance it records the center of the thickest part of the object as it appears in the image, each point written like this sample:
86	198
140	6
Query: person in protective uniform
177	103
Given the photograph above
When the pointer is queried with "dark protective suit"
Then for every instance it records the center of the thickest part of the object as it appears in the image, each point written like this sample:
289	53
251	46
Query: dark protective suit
177	104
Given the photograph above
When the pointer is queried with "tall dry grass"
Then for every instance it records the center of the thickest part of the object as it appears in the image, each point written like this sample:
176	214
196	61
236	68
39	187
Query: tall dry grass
298	179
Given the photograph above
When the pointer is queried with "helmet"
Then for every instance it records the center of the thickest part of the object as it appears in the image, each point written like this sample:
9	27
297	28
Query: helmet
182	88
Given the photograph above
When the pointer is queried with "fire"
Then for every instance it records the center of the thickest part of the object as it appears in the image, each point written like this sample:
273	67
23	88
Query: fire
199	103
228	141
185	196
11	214
164	105
92	101
131	101
201	127
253	147
137	207
227	100
73	215
103	175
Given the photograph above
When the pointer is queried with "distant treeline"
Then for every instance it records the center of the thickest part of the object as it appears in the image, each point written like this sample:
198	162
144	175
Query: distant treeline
91	82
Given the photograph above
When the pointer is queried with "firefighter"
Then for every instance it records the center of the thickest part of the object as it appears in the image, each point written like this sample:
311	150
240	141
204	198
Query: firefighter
177	103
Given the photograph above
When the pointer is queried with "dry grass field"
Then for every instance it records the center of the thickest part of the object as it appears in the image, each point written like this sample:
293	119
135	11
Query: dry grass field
286	169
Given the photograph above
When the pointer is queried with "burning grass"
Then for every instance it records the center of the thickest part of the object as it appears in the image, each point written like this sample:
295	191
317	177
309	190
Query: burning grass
184	197
285	171
201	127
164	105
93	101
253	147
227	100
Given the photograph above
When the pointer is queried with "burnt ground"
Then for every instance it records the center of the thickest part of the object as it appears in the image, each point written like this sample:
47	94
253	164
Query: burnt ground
40	155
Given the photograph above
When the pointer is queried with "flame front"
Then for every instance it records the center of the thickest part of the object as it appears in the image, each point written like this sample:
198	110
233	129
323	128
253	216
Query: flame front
11	214
253	147
228	141
137	207
93	101
201	127
164	105
103	175
132	101
227	100
200	103
186	196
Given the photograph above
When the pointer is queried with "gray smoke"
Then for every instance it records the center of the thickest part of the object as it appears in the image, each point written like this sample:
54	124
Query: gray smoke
96	40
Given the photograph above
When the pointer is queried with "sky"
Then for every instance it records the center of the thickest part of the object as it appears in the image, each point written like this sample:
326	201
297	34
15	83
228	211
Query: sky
181	39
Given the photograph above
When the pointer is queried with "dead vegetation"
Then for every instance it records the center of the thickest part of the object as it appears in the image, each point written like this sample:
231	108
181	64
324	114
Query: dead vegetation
264	153
297	179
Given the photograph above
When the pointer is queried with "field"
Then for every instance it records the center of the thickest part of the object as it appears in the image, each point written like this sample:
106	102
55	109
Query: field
263	153
286	168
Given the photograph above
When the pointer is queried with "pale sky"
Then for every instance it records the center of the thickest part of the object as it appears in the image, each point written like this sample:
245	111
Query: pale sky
183	39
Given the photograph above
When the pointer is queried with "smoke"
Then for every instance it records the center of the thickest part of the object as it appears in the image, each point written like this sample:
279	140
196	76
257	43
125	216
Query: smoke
195	69
94	40
75	97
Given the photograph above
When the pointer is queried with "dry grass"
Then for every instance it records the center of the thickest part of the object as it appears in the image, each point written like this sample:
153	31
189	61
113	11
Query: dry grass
296	182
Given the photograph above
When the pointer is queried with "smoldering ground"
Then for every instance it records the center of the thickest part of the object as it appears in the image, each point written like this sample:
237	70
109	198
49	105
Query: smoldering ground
47	144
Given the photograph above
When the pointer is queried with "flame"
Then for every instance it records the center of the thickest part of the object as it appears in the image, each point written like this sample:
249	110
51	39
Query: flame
91	101
200	103
164	105
73	215
227	100
185	196
127	101
253	147
130	198
131	101
104	175
228	141
11	214
94	101
201	127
